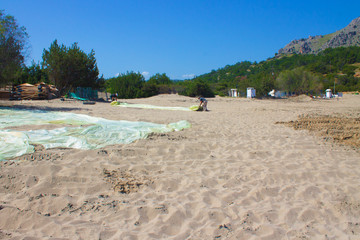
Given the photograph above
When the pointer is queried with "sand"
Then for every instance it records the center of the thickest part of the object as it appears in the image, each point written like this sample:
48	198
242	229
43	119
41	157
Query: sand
242	171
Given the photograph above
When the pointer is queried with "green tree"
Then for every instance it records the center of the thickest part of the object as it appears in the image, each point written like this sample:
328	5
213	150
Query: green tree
150	89
70	67
100	83
13	40
221	89
159	79
33	74
349	70
198	88
297	80
266	84
160	83
129	85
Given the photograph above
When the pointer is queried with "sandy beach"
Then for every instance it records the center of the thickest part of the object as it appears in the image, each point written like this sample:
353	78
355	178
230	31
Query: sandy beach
246	169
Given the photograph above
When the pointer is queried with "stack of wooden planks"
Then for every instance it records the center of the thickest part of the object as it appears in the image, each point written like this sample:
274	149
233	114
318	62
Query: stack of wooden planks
38	91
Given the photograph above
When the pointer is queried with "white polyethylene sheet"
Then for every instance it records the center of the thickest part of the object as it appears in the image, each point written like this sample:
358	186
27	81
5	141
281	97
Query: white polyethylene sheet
88	132
147	106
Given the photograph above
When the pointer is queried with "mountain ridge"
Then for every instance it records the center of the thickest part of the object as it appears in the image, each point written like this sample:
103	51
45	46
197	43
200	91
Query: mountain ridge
348	36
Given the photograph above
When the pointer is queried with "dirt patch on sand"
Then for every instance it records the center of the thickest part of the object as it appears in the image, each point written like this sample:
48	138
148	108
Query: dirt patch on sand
341	129
125	182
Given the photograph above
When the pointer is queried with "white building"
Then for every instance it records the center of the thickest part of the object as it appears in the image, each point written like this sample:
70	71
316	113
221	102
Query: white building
328	93
233	92
251	93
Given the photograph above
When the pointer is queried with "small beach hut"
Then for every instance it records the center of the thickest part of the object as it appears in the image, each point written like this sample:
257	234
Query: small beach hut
250	92
234	92
328	93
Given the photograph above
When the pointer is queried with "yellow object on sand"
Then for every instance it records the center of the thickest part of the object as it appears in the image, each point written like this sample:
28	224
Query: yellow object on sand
196	108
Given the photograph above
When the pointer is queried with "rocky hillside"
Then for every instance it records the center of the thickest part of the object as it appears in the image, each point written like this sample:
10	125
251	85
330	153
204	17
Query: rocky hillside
348	36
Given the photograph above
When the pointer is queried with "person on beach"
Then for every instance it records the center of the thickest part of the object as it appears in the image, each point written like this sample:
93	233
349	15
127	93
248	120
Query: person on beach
203	103
114	97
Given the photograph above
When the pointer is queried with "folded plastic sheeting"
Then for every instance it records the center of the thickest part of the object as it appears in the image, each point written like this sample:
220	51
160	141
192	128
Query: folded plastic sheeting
133	105
196	108
16	117
13	144
87	133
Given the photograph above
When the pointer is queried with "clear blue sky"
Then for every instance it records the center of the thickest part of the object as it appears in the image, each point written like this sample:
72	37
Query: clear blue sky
181	38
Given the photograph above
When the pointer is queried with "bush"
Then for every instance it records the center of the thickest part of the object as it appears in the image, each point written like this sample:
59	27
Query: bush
198	88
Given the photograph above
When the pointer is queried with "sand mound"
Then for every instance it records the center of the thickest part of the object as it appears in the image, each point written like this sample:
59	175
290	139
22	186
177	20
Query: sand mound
300	98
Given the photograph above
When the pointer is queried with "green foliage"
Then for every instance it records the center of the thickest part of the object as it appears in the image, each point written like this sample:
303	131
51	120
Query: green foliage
33	74
159	79
70	67
150	89
162	83
349	70
345	83
297	80
127	85
13	40
131	85
100	83
295	73
221	89
264	84
197	88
